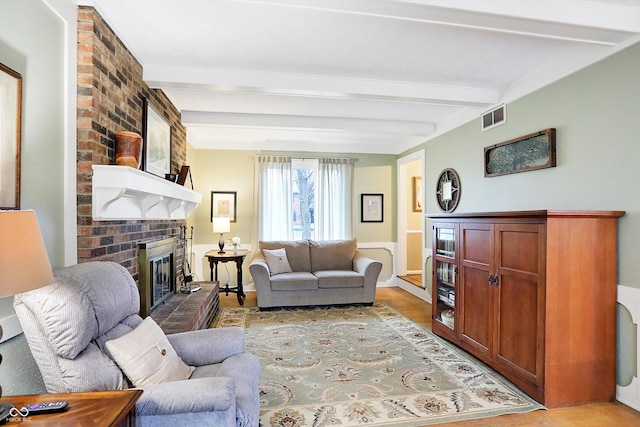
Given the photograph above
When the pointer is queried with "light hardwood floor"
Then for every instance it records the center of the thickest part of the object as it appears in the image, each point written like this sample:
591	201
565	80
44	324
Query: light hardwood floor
592	415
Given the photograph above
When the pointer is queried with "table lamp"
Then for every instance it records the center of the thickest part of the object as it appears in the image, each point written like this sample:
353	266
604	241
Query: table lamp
221	224
24	264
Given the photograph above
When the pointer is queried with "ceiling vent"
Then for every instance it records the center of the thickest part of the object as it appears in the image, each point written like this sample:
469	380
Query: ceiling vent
494	117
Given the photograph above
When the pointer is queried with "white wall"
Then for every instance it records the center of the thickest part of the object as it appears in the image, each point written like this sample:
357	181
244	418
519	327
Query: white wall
39	44
34	42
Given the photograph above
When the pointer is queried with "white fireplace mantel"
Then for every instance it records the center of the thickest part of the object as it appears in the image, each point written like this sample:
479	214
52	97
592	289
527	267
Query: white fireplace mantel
124	193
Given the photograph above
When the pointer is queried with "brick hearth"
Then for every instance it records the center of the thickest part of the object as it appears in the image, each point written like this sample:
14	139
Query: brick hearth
188	312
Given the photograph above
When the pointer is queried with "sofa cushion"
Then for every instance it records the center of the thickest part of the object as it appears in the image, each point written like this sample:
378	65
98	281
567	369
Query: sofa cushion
339	279
297	252
296	281
332	254
277	261
146	356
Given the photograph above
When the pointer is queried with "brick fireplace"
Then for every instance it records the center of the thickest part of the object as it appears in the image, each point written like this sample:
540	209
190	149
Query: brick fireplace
111	96
111	91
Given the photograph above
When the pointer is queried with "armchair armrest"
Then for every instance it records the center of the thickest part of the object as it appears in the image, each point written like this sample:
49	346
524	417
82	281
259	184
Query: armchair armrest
207	346
195	395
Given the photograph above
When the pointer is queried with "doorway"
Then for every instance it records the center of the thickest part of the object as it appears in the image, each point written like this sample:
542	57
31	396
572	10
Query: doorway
411	259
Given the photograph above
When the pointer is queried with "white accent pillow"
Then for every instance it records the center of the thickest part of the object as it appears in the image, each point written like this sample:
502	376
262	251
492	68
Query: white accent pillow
277	261
146	356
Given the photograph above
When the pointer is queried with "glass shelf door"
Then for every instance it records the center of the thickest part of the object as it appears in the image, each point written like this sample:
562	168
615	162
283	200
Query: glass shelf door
446	242
446	287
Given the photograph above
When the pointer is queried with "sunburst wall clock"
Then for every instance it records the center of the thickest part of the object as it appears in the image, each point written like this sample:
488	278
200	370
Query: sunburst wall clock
448	190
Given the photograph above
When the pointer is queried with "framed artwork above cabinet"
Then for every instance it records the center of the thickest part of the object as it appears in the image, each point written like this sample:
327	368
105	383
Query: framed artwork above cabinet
527	153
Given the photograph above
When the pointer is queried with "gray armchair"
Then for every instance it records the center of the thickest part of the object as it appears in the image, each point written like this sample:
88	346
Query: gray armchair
68	322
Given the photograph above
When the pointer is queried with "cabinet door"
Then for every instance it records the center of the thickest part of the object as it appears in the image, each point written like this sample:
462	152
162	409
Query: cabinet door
520	261
476	293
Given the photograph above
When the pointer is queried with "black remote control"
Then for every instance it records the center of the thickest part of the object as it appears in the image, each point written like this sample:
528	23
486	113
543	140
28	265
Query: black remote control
41	408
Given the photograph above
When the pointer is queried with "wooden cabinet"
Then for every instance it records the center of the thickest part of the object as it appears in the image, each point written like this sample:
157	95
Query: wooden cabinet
534	297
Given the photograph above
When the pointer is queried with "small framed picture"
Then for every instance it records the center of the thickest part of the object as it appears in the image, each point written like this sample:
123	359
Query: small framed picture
185	172
157	142
223	203
416	190
371	207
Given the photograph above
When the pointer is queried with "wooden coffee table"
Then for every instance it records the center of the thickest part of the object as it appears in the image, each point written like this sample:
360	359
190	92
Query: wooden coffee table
98	408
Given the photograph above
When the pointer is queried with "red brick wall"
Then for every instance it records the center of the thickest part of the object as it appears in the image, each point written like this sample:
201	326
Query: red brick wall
110	99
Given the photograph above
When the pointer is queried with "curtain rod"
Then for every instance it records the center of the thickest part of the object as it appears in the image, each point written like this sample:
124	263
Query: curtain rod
355	159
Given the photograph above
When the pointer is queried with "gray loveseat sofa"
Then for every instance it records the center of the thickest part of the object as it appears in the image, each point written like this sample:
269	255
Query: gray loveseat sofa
321	273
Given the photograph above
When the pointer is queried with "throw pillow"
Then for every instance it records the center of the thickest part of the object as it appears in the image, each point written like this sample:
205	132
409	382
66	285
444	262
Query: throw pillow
297	252
277	261
146	356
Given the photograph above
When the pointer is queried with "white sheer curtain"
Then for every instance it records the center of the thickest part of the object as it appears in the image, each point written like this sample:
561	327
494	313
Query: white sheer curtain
334	218
273	212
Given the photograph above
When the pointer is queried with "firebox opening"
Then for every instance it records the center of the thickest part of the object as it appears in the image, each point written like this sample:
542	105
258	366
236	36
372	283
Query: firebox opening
157	278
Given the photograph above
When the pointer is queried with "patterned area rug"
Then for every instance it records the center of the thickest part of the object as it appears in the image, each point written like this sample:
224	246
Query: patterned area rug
360	365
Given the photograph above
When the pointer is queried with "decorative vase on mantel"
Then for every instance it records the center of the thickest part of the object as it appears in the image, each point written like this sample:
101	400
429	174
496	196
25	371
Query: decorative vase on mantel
128	149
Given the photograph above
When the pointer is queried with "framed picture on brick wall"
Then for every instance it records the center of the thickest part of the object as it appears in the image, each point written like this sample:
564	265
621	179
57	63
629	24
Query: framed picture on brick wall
157	142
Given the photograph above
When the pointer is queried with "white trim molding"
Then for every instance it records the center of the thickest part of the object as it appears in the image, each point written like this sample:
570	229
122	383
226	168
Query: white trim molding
630	299
391	247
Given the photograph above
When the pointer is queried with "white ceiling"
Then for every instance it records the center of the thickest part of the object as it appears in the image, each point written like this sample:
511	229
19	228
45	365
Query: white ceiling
364	76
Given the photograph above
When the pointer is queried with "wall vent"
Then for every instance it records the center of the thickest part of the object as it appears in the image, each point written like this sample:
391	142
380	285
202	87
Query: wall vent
495	117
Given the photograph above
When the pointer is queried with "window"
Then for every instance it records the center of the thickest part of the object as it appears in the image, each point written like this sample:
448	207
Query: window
303	199
304	173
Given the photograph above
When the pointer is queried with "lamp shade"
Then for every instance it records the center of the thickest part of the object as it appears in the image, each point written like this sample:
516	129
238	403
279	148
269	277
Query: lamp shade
221	224
24	264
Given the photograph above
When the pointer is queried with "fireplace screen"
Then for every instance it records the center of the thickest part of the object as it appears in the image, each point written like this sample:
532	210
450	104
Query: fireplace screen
157	278
161	279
